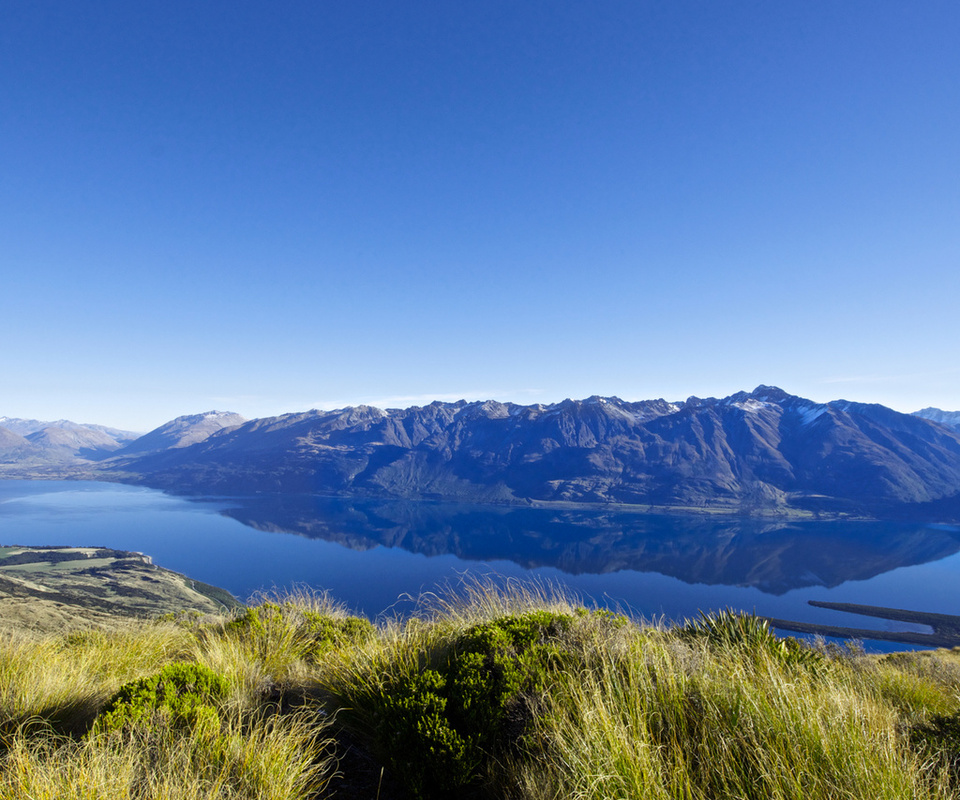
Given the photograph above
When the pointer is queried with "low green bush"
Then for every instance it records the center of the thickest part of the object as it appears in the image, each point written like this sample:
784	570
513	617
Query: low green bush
178	696
439	726
338	631
425	751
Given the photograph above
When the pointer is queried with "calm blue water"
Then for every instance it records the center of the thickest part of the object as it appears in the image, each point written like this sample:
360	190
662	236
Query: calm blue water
372	554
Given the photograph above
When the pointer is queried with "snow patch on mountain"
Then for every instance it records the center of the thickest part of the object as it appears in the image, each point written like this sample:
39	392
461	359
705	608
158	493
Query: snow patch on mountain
751	405
811	413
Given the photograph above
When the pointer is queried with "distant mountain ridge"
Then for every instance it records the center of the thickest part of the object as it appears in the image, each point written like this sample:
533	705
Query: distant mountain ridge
61	441
759	452
949	418
36	443
27	426
184	431
764	451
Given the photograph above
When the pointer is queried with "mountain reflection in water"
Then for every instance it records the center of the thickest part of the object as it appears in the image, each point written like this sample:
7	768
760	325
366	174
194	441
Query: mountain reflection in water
772	556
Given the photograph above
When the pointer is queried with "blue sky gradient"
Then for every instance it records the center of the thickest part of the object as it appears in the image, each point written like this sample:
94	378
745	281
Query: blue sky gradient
271	207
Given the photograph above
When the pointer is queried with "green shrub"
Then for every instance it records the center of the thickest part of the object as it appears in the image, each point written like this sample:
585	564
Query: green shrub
256	619
337	631
425	751
492	663
178	696
439	726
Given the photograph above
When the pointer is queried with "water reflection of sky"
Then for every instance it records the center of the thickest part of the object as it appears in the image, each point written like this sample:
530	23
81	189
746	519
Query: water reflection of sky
195	538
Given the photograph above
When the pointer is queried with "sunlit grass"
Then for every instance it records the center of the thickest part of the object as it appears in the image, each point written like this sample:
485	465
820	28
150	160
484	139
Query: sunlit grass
63	680
674	719
283	758
591	705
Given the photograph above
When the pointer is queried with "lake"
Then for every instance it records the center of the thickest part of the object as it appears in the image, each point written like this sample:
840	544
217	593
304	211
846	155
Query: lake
376	555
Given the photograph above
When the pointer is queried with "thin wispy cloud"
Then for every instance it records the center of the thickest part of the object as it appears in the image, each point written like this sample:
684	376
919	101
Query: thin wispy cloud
859	379
877	378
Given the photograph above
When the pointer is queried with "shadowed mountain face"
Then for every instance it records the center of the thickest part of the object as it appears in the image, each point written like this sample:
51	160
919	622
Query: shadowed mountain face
759	452
773	557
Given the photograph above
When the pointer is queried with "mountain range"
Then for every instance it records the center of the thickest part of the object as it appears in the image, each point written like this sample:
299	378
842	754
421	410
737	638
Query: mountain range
759	452
34	444
30	442
949	418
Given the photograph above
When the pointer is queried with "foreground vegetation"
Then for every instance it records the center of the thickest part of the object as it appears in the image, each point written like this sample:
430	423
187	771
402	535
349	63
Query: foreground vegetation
523	695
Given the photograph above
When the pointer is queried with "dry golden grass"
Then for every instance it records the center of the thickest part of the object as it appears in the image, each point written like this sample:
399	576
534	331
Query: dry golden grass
283	758
632	711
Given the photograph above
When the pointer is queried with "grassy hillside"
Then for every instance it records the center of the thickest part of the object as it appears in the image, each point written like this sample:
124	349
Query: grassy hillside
57	588
521	696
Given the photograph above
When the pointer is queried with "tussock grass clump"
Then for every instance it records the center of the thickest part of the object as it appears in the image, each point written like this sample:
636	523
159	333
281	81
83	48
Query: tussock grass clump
487	693
283	758
751	637
276	645
680	718
62	681
284	636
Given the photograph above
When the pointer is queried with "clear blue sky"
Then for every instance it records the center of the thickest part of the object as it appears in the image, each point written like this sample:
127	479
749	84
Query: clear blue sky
268	207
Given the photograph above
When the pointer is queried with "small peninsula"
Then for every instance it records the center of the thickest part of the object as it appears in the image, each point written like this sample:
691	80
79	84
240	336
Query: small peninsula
61	588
